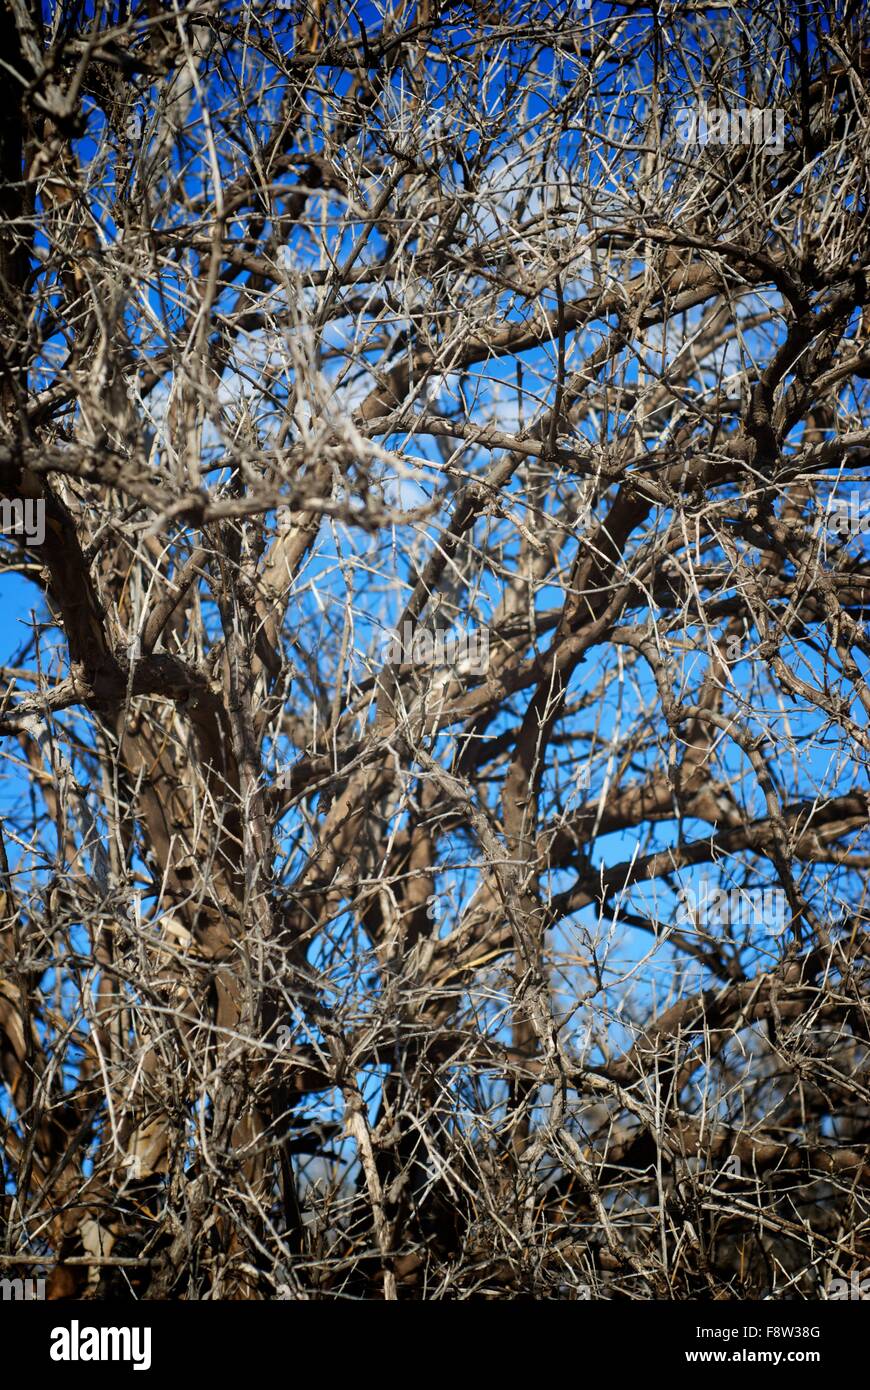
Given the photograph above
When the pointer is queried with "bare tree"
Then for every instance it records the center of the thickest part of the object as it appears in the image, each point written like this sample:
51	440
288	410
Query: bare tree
436	720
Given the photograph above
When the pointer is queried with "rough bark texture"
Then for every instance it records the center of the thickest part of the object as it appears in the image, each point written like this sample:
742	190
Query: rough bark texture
525	953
